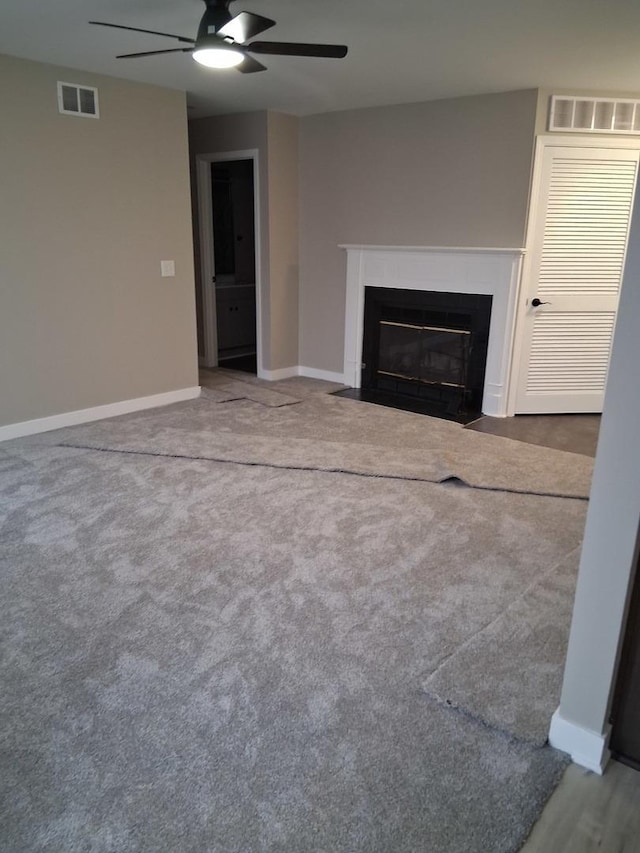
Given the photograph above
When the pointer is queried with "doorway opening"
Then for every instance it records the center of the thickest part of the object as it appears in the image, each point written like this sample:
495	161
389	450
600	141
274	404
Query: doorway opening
230	260
234	263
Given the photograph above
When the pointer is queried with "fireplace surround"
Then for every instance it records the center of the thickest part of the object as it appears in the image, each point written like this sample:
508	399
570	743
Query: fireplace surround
475	271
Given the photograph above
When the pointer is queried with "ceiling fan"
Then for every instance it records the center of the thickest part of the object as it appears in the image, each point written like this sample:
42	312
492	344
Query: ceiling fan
223	40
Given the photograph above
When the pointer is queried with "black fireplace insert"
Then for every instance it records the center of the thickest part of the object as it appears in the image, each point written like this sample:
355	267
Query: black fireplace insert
425	351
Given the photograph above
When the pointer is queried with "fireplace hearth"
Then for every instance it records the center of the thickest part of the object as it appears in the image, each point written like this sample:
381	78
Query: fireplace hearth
425	351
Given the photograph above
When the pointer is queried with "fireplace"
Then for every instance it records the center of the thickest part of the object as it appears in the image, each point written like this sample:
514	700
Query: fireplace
460	271
425	351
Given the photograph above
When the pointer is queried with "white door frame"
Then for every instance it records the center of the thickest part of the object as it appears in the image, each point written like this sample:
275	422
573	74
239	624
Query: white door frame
543	141
207	271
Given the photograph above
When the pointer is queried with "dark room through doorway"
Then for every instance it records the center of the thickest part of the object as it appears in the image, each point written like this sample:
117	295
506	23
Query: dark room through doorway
232	185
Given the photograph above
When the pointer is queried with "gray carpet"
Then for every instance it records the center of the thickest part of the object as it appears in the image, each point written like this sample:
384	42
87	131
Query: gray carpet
204	655
331	434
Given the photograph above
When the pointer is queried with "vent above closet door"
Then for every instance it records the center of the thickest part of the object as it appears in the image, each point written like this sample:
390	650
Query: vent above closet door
594	115
78	100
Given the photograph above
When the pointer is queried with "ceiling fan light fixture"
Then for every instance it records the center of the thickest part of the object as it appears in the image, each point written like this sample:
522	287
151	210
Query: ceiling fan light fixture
217	56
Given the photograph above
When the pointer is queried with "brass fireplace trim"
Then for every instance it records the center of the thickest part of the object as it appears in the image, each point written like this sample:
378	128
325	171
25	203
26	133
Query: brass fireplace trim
424	328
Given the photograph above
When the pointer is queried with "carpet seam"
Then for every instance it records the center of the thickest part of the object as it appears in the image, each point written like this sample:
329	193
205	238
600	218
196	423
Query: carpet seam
257	402
326	470
463	709
485	724
292	401
518	598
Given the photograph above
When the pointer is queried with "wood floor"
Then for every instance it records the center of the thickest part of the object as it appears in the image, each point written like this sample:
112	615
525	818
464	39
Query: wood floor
589	813
575	433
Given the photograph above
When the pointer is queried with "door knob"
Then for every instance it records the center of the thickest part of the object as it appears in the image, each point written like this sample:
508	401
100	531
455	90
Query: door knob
535	302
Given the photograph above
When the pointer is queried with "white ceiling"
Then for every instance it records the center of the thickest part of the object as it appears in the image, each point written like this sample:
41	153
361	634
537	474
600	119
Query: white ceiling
400	51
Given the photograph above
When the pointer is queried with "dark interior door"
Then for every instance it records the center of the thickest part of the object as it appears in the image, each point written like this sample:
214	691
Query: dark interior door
625	718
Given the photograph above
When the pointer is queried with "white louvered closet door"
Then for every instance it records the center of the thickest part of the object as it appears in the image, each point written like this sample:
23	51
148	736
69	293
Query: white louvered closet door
578	249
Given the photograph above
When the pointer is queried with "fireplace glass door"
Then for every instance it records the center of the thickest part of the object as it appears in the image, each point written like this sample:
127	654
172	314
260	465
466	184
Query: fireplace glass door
424	354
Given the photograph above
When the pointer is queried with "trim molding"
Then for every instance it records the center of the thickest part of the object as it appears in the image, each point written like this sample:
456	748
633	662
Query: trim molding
207	265
327	375
492	272
456	249
587	748
300	370
280	373
96	413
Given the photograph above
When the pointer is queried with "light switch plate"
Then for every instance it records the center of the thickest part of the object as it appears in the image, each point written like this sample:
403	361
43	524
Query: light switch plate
167	268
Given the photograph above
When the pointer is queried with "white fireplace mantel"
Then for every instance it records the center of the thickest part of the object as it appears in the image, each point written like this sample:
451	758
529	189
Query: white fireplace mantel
492	272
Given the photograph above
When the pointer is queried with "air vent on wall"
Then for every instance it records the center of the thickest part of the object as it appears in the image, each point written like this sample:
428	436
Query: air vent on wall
594	115
78	100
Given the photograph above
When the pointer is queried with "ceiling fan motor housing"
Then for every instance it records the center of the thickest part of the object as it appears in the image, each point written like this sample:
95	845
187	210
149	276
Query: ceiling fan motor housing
215	17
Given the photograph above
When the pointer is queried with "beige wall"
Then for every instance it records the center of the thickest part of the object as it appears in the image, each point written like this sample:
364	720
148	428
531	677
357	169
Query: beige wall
444	173
283	239
88	208
275	136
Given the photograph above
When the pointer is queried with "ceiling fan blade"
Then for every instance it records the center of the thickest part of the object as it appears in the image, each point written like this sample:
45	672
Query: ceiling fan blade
249	65
155	52
285	48
245	26
138	30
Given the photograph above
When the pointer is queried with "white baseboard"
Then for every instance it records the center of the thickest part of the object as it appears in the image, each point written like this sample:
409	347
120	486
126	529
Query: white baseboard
96	413
493	401
586	748
281	373
327	375
298	370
